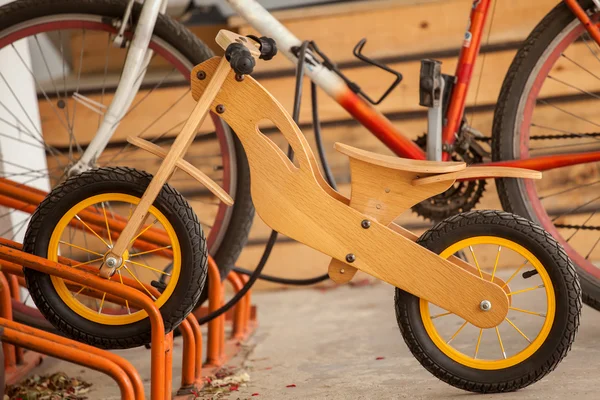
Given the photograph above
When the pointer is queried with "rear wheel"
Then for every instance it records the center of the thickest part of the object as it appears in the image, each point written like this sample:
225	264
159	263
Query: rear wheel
544	306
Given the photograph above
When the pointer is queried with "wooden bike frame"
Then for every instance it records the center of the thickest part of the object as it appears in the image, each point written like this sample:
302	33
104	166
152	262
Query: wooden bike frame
296	201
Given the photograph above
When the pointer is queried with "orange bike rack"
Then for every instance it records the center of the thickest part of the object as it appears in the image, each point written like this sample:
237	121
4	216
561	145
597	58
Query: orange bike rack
11	260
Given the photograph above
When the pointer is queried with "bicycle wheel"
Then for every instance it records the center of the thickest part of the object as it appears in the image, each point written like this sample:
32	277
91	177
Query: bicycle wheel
547	107
72	56
79	221
544	306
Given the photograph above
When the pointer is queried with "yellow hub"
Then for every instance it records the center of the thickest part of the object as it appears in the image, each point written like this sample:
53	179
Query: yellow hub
503	360
124	270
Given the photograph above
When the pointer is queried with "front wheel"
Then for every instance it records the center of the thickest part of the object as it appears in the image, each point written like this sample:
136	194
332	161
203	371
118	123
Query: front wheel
544	306
78	223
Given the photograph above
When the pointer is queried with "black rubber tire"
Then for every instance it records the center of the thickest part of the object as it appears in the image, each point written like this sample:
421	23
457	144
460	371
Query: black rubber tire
180	38
504	134
127	181
567	292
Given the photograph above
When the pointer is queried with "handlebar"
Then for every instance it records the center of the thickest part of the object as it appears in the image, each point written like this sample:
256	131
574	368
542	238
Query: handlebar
241	59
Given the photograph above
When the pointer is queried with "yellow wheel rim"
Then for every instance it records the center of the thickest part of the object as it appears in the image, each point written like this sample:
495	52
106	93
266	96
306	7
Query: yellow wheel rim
70	299
471	360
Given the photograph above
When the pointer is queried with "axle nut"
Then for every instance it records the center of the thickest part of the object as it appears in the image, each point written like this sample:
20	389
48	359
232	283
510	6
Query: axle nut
111	262
485	305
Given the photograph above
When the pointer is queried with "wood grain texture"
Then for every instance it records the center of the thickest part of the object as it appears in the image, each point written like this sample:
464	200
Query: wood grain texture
185	167
480	172
175	154
291	200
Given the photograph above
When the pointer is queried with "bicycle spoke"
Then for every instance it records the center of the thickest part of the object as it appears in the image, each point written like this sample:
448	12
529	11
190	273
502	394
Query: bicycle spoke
107	228
102	303
106	58
457	332
149	251
476	263
576	208
126	302
515	273
581	66
37	84
72	139
581	226
478	342
496	263
148	267
517	329
138	281
501	345
91	230
527	311
593	247
143	231
441	315
81	248
79	292
526	290
570	189
87	262
574	87
569	113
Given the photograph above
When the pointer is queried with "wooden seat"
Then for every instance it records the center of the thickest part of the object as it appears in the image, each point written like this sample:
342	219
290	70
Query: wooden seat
401	164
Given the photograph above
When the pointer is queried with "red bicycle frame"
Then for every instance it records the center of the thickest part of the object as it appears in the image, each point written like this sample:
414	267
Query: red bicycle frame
383	129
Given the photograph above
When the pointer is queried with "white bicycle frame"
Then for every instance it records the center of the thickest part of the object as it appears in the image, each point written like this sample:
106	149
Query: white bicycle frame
138	58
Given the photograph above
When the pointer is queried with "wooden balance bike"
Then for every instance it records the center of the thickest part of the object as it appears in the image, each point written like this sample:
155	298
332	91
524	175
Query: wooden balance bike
481	299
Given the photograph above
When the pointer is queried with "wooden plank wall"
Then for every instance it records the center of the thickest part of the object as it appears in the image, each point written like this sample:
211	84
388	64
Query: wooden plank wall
400	32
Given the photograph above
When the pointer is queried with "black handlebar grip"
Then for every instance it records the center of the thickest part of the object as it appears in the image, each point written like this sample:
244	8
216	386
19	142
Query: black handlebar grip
240	59
268	47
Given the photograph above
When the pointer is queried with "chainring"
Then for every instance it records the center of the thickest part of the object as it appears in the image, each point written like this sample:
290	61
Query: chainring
460	197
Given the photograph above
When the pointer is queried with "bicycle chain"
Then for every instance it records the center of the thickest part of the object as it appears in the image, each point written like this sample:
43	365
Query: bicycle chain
565	136
582	227
546	137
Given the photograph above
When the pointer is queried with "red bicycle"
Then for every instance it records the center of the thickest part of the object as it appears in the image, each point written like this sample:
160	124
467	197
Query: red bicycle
544	117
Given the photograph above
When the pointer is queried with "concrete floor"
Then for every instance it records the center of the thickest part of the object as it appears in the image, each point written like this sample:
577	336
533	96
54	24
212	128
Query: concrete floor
326	343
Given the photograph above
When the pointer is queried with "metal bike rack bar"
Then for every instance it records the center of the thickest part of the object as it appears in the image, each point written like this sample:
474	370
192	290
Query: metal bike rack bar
159	360
11	261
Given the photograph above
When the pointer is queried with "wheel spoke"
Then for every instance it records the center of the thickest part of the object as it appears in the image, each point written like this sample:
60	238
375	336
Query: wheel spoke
149	267
138	281
102	303
149	251
526	290
501	345
515	273
441	315
457	332
126	302
107	228
81	248
143	231
80	290
87	262
478	342
476	263
91	230
496	263
517	329
527	311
